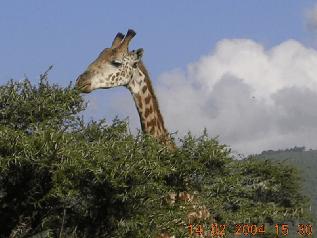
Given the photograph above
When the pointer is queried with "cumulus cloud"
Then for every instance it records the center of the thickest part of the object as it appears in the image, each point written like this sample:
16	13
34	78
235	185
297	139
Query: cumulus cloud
253	98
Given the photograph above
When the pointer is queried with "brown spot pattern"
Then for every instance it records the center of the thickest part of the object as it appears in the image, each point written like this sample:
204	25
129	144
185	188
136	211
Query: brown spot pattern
139	100
151	123
147	99
148	111
144	88
148	108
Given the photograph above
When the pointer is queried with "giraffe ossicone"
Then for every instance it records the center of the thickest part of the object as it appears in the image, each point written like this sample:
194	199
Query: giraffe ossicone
117	66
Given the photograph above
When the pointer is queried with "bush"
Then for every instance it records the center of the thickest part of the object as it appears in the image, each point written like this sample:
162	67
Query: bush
63	177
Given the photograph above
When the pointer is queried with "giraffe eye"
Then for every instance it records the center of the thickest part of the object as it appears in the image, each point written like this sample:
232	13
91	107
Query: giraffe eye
116	63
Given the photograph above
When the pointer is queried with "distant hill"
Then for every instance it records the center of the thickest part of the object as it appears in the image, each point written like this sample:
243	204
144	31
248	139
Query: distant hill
306	162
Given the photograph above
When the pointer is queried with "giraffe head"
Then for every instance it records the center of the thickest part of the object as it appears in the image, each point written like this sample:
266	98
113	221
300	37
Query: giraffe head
115	66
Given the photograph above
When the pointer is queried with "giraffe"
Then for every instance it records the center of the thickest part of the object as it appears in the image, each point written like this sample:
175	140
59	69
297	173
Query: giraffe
117	66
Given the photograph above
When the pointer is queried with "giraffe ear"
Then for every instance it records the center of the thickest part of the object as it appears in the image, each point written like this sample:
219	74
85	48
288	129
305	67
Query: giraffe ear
139	52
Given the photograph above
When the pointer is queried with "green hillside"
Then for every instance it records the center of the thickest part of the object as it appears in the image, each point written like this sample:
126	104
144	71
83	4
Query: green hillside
306	162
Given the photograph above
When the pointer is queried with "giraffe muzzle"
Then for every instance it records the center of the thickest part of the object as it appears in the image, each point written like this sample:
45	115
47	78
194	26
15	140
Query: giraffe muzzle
83	84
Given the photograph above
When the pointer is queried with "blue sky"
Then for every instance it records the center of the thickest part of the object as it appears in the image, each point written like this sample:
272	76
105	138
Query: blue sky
206	59
69	34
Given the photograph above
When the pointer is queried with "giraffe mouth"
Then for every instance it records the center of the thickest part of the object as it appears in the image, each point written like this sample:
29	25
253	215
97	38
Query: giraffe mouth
84	88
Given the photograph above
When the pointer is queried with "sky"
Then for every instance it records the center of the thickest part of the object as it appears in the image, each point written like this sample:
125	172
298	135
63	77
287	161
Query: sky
244	70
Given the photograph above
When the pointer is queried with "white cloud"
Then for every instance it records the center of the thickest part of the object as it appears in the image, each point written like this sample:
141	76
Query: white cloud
254	99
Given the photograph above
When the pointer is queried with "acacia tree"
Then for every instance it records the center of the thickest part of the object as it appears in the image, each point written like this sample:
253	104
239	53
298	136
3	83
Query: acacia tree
63	177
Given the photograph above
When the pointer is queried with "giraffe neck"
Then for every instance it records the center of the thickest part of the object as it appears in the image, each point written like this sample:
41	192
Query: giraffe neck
145	100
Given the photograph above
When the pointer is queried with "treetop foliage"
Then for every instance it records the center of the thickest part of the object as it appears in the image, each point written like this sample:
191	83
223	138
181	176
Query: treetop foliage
63	177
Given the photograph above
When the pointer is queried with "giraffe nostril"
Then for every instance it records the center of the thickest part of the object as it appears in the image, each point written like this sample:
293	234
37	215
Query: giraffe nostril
78	79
